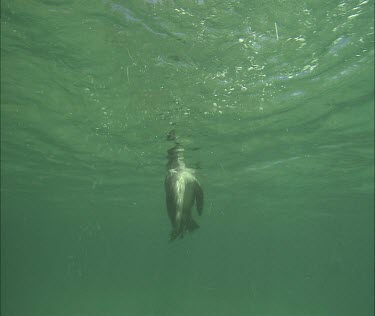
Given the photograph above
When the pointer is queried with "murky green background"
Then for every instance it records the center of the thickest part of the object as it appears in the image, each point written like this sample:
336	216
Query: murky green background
273	101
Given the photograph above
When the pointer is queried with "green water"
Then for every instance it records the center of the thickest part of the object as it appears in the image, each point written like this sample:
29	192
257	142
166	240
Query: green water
273	102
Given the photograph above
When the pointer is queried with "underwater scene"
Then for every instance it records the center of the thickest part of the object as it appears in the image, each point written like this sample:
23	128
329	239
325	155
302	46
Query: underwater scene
187	158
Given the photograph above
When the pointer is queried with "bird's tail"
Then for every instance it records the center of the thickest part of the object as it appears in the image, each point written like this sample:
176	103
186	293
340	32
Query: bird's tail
189	226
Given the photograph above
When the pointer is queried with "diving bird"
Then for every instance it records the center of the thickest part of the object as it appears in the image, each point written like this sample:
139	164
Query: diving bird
182	192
